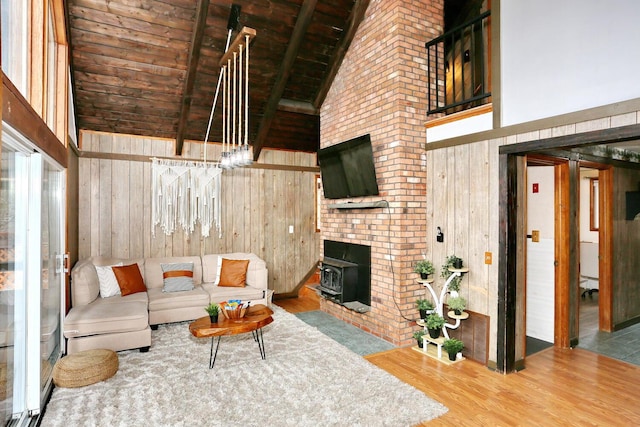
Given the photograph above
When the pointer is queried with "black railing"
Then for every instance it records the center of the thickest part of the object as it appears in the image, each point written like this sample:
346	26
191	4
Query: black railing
457	64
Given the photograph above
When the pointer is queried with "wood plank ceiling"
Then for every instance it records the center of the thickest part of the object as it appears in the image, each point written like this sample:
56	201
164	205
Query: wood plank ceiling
150	67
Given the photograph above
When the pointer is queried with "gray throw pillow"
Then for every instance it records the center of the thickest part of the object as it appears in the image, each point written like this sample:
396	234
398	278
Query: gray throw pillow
177	277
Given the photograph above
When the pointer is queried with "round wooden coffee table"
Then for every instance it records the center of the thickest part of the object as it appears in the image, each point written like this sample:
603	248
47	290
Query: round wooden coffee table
254	320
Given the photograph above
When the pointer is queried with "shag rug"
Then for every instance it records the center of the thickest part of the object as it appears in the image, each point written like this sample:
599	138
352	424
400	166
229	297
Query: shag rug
307	379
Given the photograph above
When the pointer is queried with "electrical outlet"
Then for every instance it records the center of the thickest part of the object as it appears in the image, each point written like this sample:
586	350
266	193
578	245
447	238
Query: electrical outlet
535	235
488	257
291	229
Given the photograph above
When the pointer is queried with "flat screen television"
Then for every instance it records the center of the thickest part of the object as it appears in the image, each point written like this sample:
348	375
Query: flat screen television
348	170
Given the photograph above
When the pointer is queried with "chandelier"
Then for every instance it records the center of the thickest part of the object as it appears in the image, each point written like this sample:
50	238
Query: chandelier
234	79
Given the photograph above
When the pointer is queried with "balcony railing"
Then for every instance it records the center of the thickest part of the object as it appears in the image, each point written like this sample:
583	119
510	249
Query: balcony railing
457	64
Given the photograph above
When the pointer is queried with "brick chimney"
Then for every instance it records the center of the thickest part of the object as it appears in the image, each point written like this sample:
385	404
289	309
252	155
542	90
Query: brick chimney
381	89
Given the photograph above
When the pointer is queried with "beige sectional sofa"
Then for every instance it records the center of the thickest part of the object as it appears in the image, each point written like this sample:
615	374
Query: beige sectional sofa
124	322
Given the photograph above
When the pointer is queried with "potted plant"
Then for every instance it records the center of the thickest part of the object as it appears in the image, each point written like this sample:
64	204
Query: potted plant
452	346
418	336
434	324
213	309
424	268
452	261
424	307
457	304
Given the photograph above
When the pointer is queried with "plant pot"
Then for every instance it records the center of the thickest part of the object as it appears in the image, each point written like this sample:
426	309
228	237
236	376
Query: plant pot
423	314
434	333
452	356
457	312
424	276
457	263
214	319
419	341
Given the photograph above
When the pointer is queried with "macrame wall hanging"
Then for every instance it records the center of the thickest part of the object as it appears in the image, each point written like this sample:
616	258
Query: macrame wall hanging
185	193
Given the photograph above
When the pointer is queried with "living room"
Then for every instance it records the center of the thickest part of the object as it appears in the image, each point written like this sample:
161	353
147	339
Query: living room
271	209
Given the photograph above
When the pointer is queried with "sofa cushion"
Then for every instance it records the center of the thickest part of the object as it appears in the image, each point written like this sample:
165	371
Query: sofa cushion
233	273
101	317
177	276
159	300
153	275
129	279
219	294
85	286
256	272
107	280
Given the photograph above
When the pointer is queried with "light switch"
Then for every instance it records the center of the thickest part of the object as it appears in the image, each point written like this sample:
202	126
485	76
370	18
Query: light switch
291	229
535	235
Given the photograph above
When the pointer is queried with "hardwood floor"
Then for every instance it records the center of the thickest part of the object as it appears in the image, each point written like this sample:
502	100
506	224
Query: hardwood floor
557	388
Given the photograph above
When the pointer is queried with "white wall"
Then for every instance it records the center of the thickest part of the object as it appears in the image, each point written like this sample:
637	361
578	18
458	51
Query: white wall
564	56
540	204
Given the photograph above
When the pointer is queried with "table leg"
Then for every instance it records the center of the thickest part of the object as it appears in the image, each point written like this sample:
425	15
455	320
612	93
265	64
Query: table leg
212	355
258	337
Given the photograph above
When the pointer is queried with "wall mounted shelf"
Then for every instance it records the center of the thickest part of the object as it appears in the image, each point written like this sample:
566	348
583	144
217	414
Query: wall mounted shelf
359	205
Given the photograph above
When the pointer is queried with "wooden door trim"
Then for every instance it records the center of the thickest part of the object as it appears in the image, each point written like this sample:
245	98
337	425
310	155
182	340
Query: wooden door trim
605	249
562	204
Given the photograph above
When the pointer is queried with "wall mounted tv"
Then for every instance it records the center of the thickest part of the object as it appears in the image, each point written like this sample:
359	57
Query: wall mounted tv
348	170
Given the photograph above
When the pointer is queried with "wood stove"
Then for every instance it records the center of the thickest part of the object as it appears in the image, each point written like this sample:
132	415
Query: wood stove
345	274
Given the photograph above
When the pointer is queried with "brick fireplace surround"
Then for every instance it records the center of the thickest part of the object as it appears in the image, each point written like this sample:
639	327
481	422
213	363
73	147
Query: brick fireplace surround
381	89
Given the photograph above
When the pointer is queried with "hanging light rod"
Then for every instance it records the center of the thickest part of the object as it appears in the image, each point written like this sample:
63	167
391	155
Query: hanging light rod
234	17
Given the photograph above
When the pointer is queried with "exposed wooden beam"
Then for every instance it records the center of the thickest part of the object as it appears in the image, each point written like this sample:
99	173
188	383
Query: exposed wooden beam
192	66
302	24
356	17
297	107
17	111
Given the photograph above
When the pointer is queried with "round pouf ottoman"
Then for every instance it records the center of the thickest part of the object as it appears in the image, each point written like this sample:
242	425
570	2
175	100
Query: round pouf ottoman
85	367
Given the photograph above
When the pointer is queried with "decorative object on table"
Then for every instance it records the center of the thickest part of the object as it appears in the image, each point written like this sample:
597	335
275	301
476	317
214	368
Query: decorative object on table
451	262
452	346
234	308
434	324
457	304
424	268
213	309
418	335
425	307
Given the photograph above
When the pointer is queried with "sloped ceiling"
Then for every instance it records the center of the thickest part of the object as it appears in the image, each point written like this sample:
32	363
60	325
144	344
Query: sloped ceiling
150	67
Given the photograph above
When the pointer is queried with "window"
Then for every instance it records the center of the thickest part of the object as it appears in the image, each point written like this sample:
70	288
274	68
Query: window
15	37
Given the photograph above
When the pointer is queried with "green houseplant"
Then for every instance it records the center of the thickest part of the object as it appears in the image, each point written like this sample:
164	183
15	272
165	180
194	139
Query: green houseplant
457	304
418	336
452	261
424	307
213	309
424	267
434	324
452	346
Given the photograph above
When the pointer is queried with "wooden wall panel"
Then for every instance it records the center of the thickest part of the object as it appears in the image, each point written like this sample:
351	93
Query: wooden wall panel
626	252
259	206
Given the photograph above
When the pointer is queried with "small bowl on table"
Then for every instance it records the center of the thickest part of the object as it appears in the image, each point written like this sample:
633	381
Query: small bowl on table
233	312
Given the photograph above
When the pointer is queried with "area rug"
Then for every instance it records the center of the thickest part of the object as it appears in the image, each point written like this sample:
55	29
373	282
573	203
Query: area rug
355	339
307	379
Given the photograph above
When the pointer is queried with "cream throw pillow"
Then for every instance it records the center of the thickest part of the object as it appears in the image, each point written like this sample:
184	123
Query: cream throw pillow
108	284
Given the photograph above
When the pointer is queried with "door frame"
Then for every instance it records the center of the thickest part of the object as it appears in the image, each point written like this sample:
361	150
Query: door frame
510	321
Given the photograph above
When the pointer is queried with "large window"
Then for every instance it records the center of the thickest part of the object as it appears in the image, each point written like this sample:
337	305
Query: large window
15	36
31	280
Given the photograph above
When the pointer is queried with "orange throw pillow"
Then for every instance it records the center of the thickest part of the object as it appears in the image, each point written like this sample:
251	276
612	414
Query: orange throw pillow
129	279
233	272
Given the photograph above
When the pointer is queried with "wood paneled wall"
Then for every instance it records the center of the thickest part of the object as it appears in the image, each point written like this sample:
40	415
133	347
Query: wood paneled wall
462	199
259	205
626	251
